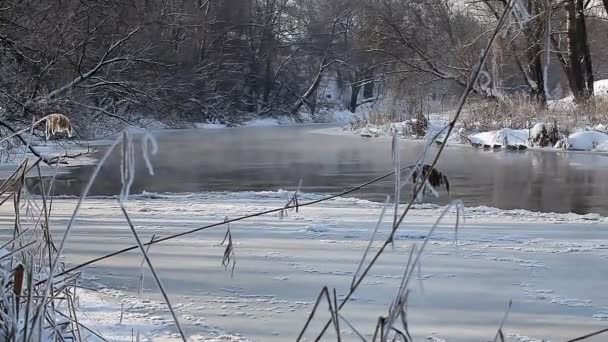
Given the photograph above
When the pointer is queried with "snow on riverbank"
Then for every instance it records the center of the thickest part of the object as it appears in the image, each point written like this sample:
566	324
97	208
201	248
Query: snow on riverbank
282	263
406	129
584	137
503	137
327	116
589	139
259	122
595	139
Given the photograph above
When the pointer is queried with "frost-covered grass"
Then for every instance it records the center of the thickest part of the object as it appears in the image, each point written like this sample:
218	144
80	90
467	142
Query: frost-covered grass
32	307
34	304
39	298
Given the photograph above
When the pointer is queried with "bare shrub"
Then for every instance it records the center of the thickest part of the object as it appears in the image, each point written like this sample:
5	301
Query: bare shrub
513	112
390	108
592	112
412	110
520	112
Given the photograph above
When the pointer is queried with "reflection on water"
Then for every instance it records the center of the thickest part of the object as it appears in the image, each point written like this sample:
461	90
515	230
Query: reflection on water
242	159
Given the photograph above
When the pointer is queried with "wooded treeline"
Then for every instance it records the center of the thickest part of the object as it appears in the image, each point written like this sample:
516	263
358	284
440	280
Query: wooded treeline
217	60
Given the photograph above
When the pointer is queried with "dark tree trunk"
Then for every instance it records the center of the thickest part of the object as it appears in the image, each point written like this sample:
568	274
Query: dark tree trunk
268	81
531	67
252	82
583	40
354	96
575	78
368	90
308	97
536	69
268	45
534	35
580	76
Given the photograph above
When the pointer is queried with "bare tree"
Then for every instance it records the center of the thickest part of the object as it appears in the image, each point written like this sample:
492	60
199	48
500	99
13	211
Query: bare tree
226	60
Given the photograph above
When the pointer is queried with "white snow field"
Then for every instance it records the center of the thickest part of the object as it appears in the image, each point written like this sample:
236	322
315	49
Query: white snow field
552	266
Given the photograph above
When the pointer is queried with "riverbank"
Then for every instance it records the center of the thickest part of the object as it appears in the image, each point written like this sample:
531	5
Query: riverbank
591	139
514	123
282	263
325	116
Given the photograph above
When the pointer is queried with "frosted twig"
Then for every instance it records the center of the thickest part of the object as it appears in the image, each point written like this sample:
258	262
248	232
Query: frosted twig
400	300
292	203
333	311
127	166
149	138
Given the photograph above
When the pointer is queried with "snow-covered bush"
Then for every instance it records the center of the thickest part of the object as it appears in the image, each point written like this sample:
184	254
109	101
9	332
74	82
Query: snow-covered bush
542	135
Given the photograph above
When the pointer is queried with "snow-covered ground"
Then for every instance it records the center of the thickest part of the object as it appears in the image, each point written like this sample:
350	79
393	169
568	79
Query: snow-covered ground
281	264
99	312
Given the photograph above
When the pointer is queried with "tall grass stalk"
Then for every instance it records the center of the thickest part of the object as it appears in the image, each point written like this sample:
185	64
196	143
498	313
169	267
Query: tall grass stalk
153	270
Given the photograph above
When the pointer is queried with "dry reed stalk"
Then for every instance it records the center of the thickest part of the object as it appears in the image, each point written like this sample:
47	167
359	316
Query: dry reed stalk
229	256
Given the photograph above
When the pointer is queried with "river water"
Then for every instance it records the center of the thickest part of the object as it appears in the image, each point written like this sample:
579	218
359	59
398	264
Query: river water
271	158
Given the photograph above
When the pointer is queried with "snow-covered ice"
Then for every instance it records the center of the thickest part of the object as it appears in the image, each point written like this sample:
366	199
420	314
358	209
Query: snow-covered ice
282	263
